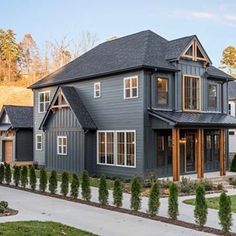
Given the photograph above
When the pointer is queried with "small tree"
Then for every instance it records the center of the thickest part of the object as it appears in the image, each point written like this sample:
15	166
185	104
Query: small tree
225	212
16	175
64	183
117	193
154	199
74	187
103	192
24	176
33	179
2	173
43	180
85	186
173	206
53	182
233	164
135	194
200	211
8	174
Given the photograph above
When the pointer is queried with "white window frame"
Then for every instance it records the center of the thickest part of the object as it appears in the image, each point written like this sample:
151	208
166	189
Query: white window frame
63	145
115	147
95	90
131	88
44	104
36	142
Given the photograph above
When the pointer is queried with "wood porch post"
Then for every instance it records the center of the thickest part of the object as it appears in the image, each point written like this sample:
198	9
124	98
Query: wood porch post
200	156
175	154
222	152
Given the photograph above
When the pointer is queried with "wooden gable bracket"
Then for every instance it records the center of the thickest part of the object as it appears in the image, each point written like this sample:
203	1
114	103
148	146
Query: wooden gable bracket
59	103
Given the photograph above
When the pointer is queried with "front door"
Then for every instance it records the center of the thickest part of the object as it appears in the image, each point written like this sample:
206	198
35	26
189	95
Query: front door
190	156
7	151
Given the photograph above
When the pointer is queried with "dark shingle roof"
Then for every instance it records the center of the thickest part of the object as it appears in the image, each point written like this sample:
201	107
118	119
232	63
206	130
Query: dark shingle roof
19	116
214	72
232	90
196	118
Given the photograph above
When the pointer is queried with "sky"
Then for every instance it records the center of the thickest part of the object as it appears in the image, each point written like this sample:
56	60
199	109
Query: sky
213	21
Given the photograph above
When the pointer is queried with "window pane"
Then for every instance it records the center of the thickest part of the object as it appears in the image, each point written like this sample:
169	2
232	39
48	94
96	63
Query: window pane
191	85
110	148
134	92
130	146
162	91
64	149
134	83
47	97
127	83
120	148
101	147
212	97
127	93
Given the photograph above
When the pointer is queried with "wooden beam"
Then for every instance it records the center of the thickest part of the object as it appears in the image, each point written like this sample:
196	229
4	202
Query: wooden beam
222	152
175	155
200	156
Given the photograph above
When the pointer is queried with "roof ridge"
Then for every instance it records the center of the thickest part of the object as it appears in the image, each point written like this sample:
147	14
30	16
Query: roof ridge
184	37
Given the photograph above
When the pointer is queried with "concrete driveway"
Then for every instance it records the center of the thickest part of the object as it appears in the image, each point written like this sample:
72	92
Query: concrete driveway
98	221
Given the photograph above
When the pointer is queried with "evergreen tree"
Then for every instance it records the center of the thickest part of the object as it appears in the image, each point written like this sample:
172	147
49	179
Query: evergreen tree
135	194
117	193
64	183
2	173
173	206
200	211
74	191
24	176
43	180
16	175
53	182
33	178
8	174
154	199
103	192
85	186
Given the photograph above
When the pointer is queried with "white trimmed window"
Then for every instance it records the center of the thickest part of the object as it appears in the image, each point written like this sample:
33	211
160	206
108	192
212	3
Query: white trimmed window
97	90
44	101
116	148
39	142
61	145
131	87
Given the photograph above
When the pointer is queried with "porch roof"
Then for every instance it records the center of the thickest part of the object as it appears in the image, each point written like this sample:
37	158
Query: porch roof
199	119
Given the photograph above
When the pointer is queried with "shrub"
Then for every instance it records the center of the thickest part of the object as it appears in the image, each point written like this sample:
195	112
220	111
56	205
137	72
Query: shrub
8	174
43	180
64	183
186	185
74	191
4	204
33	178
24	176
220	187
85	186
135	194
16	175
207	185
103	192
225	212
2	209
232	181
2	173
154	199
200	211
117	193
173	206
233	164
53	182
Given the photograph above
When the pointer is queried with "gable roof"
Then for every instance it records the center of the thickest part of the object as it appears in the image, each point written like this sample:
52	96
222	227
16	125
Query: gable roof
19	116
76	104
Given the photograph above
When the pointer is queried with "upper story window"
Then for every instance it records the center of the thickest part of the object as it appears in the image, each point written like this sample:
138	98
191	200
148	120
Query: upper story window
162	91
97	90
61	145
39	142
229	109
131	87
212	97
191	92
44	101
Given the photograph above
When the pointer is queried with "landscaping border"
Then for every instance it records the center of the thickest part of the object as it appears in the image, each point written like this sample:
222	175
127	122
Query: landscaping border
163	219
9	212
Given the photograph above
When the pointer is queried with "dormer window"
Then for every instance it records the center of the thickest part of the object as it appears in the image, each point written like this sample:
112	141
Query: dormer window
162	91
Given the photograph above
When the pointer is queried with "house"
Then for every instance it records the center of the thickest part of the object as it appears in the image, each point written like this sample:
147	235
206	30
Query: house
16	134
135	105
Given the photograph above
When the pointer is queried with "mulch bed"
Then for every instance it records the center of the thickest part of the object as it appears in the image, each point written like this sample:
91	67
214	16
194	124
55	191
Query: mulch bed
9	212
163	219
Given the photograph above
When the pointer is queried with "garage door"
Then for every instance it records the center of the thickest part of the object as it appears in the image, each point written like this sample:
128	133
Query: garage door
8	151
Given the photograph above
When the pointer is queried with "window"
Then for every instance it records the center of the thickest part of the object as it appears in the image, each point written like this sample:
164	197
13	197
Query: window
116	148
131	87
97	90
191	93
162	91
39	142
212	97
61	145
230	112
44	100
231	132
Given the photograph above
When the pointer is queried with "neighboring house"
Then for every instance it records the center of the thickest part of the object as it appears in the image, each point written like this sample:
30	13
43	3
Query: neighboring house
136	105
16	134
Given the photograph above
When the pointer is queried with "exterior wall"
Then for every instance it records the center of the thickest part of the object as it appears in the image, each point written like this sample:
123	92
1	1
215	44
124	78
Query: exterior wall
232	138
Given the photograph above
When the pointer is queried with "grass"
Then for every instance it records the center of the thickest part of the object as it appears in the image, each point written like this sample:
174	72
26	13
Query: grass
37	228
214	202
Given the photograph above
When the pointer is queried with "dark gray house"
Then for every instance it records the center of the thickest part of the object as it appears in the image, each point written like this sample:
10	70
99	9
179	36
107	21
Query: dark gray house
135	105
16	134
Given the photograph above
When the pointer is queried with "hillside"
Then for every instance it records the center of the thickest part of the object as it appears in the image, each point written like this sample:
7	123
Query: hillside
15	96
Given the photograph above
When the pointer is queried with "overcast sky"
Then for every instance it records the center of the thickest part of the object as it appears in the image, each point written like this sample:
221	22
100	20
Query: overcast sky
213	21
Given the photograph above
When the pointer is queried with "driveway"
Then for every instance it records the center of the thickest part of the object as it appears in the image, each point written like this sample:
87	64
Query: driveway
99	221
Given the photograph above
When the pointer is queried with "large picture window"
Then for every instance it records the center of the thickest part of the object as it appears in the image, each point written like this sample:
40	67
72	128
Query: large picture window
191	93
212	97
162	91
44	100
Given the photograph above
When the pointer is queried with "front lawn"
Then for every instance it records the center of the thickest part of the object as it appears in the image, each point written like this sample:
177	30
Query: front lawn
37	228
214	202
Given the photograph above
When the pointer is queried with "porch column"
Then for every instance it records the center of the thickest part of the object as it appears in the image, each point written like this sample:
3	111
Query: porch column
200	155
222	152
175	155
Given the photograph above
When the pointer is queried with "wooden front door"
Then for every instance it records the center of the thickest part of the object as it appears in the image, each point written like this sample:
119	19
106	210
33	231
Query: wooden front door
7	151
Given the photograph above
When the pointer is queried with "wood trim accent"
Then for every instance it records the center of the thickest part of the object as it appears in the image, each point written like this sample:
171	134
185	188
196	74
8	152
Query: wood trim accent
175	154
200	154
222	152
